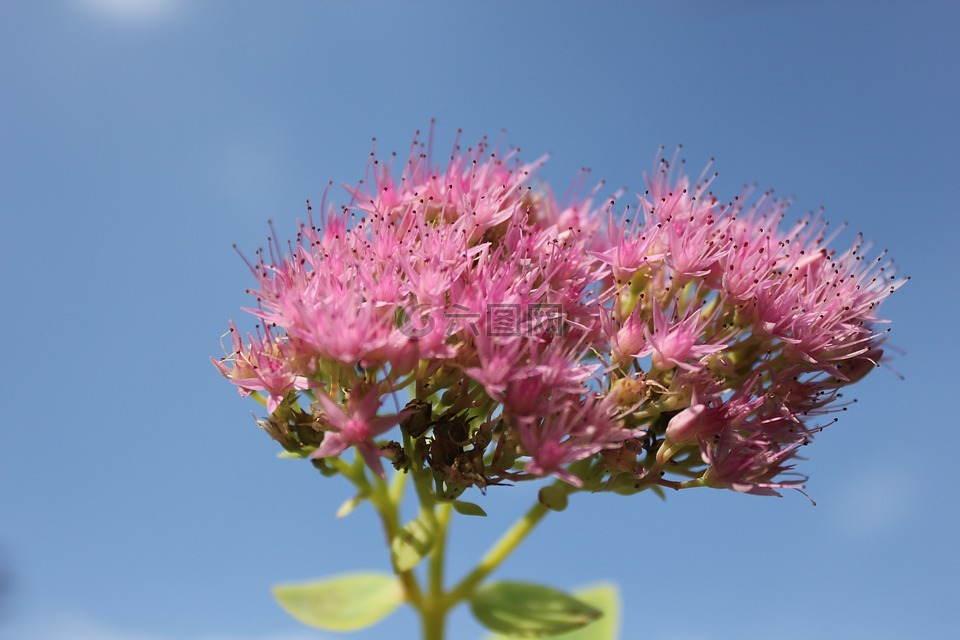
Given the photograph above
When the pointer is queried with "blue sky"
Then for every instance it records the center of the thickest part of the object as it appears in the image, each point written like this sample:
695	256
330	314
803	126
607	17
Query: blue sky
139	139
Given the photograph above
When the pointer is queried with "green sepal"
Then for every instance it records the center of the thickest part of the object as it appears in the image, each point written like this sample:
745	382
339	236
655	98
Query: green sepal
323	465
524	610
346	602
604	597
468	508
299	454
410	545
553	497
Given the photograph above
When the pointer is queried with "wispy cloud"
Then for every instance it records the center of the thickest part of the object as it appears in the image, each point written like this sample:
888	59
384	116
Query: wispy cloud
132	11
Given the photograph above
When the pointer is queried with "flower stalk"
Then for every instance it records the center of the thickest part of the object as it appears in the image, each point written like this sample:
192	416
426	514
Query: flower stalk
499	552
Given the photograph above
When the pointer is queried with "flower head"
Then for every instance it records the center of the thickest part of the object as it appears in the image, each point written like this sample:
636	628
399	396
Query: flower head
690	341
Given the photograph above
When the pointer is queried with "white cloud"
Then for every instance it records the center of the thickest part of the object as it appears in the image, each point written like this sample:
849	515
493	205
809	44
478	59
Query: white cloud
79	628
132	11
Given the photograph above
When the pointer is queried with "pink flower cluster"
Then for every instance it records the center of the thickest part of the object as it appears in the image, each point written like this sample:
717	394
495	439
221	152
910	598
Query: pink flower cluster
688	342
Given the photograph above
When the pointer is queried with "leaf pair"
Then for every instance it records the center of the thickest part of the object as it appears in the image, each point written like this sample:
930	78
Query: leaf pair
512	609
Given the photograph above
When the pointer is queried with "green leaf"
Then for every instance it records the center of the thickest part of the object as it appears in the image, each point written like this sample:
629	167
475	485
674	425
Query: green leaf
468	508
604	597
410	545
523	610
343	603
349	505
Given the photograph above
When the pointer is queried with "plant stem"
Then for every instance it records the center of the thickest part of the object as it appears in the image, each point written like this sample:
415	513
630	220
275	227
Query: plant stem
397	484
380	498
435	604
434	623
497	554
438	556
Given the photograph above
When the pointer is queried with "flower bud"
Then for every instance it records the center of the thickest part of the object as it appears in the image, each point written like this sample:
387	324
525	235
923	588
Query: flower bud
404	354
524	397
553	498
687	425
629	391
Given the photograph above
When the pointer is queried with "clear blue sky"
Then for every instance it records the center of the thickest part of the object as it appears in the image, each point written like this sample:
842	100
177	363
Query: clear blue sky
139	139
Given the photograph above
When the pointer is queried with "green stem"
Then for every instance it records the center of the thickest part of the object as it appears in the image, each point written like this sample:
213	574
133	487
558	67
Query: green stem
434	608
434	623
497	554
438	556
381	500
436	604
420	392
397	485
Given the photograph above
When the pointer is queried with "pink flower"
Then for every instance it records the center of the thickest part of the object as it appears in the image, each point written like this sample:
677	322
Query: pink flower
703	420
754	248
551	375
572	431
631	247
692	237
675	343
499	363
748	465
357	426
266	364
630	340
482	186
